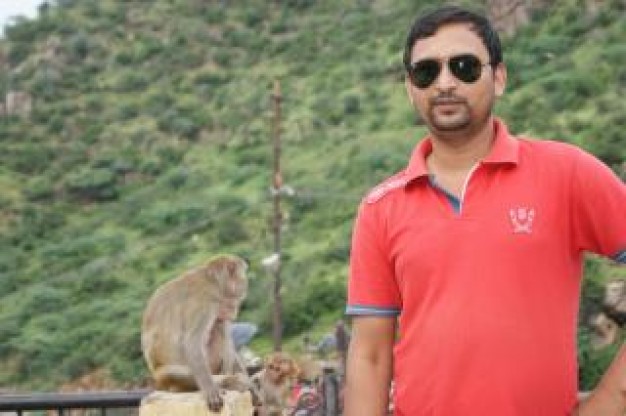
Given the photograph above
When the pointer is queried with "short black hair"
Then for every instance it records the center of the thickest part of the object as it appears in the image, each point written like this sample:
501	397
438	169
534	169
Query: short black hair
425	26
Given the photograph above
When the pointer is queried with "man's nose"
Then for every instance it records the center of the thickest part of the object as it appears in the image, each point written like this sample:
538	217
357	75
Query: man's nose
446	81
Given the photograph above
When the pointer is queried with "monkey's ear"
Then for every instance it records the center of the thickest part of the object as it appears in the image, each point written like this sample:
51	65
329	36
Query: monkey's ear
246	262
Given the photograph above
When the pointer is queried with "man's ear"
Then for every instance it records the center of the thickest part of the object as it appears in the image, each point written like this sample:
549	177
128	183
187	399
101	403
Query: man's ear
499	78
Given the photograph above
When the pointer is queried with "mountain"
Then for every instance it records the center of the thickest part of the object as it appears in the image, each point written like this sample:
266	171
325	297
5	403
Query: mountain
136	143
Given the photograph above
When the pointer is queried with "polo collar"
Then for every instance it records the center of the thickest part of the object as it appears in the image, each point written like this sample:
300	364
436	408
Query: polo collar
505	150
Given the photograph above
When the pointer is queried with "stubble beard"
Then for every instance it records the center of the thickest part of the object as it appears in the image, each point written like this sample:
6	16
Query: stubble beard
460	120
458	124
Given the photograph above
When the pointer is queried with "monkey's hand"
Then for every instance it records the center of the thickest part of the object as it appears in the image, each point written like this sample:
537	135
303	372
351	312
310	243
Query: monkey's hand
214	399
256	399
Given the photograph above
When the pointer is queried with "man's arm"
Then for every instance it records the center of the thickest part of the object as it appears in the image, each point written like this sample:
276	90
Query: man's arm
370	366
609	397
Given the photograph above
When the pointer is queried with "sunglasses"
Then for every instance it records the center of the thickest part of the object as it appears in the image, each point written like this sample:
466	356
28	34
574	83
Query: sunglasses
465	67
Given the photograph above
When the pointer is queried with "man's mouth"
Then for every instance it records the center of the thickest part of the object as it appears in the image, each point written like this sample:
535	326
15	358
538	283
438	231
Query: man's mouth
447	101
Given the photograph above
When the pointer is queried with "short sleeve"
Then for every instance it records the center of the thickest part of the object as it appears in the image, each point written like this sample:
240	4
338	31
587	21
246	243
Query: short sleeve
372	287
599	208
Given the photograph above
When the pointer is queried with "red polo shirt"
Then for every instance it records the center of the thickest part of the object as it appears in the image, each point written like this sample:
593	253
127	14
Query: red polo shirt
486	294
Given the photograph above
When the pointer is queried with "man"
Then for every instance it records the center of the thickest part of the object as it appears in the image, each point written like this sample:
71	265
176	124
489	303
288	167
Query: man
465	266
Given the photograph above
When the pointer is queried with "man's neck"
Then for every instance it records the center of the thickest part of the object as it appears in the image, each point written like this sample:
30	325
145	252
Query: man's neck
460	154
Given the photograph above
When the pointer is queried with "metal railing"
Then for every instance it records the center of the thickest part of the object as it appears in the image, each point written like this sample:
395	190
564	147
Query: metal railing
19	403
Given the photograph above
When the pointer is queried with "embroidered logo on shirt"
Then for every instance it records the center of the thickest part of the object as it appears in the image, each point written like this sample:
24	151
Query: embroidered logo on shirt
522	219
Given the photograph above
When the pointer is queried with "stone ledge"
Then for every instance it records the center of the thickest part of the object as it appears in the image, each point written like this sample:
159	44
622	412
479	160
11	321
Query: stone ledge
162	403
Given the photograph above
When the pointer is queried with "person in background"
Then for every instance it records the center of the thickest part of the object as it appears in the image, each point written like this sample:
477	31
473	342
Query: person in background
466	266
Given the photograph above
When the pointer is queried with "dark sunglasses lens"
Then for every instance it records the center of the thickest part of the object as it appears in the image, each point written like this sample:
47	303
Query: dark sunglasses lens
423	73
467	68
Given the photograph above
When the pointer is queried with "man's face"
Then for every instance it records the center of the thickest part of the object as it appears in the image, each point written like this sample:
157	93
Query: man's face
449	106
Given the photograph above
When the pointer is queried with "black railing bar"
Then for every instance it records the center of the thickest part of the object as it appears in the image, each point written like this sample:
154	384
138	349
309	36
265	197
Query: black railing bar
46	401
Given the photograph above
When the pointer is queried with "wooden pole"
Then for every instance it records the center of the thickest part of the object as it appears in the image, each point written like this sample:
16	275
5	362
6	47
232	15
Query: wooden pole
277	183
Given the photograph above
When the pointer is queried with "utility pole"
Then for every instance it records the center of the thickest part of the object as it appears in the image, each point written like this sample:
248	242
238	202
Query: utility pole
277	185
6	68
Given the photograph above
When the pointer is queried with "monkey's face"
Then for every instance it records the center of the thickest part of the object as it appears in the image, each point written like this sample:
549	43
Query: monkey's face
234	294
229	308
280	368
233	288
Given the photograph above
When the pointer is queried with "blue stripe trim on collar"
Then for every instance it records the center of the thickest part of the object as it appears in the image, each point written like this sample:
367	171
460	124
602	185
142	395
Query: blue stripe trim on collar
452	199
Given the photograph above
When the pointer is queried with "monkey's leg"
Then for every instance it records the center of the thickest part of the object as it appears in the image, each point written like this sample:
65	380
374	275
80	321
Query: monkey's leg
175	378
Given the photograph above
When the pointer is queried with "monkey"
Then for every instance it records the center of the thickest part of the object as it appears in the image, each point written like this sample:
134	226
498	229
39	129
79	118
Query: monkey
275	382
606	331
185	335
607	323
614	303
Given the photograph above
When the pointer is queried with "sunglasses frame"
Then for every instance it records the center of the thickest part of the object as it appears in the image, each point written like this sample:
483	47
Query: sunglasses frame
455	70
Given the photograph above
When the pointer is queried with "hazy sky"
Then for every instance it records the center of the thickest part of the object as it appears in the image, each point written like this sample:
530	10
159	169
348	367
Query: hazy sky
12	8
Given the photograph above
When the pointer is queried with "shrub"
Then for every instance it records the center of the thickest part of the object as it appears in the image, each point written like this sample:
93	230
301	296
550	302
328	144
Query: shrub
146	49
177	178
38	222
76	252
150	166
127	111
236	37
214	14
39	189
222	57
211	78
253	16
300	4
230	231
304	307
351	104
156	103
92	184
592	363
42	299
28	158
99	283
339	252
171	155
44	83
56	124
174	122
131	81
92	133
161	219
78	47
231	203
124	57
21	30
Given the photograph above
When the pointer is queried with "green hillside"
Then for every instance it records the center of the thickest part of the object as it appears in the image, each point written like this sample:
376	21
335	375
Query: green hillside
148	150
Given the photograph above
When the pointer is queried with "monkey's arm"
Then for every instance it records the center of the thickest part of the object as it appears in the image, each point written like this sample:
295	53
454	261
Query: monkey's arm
369	366
197	350
238	364
609	397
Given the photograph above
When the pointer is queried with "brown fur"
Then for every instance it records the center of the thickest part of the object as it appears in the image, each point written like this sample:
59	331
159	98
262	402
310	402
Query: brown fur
275	382
614	303
185	332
